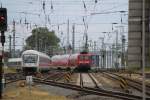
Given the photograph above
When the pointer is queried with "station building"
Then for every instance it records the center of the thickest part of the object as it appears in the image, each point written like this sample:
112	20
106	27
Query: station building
135	33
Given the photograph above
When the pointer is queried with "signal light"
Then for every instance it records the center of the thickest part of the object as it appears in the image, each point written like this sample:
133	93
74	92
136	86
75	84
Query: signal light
3	19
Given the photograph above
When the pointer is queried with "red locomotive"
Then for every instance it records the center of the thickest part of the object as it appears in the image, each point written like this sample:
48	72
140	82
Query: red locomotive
72	61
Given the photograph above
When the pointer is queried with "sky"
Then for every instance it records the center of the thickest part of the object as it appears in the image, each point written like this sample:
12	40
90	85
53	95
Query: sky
97	15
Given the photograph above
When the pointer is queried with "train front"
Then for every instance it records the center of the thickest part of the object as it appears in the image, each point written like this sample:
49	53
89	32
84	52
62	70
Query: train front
29	63
84	62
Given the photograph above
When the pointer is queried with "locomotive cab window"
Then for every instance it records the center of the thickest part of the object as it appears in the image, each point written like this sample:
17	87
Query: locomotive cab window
82	57
30	58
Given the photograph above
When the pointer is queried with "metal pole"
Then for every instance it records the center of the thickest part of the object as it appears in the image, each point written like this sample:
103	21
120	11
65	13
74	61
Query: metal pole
23	44
73	39
103	52
68	36
143	50
36	45
37	37
14	32
123	51
94	46
10	46
1	75
104	58
112	60
86	41
116	63
45	45
1	65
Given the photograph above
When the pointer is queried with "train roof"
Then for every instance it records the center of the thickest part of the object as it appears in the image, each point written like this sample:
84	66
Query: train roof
35	52
14	59
68	56
65	55
76	54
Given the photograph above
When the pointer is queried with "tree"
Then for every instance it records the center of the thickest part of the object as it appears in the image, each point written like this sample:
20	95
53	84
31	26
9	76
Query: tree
42	39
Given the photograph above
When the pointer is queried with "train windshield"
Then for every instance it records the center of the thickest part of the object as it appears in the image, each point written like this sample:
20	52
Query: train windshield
30	58
83	57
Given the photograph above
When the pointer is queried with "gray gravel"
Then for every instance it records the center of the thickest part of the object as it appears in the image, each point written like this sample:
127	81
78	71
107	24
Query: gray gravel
73	95
57	90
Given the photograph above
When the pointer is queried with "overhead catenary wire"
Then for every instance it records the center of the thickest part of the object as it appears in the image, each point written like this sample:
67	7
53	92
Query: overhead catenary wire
51	4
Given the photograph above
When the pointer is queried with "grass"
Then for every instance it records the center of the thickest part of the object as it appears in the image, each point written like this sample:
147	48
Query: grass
147	69
23	93
9	70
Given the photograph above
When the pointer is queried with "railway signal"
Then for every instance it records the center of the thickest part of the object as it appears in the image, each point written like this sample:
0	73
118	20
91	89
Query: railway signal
3	28
3	19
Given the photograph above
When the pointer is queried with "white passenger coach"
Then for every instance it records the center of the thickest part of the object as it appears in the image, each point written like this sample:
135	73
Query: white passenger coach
14	63
34	61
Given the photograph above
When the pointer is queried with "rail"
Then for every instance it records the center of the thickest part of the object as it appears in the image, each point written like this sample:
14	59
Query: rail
130	82
95	91
93	79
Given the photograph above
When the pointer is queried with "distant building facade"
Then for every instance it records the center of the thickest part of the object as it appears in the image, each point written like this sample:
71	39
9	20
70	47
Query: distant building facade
135	33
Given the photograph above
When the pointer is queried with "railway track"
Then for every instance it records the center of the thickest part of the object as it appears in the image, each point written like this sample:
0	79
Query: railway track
13	77
83	88
130	82
88	80
90	90
138	84
95	91
94	80
56	76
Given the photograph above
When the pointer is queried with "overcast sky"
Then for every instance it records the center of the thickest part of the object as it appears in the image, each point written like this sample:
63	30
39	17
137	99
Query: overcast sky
57	12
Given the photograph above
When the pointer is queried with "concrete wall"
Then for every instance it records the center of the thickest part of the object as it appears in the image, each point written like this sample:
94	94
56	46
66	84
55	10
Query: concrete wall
135	33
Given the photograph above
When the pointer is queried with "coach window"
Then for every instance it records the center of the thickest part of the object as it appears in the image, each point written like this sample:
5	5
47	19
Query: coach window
30	58
81	57
86	57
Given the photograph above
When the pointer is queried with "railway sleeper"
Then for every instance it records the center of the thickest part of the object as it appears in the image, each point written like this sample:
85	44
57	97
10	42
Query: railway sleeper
93	90
123	83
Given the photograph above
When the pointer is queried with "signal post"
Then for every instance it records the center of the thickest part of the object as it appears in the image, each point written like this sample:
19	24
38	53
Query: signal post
3	28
